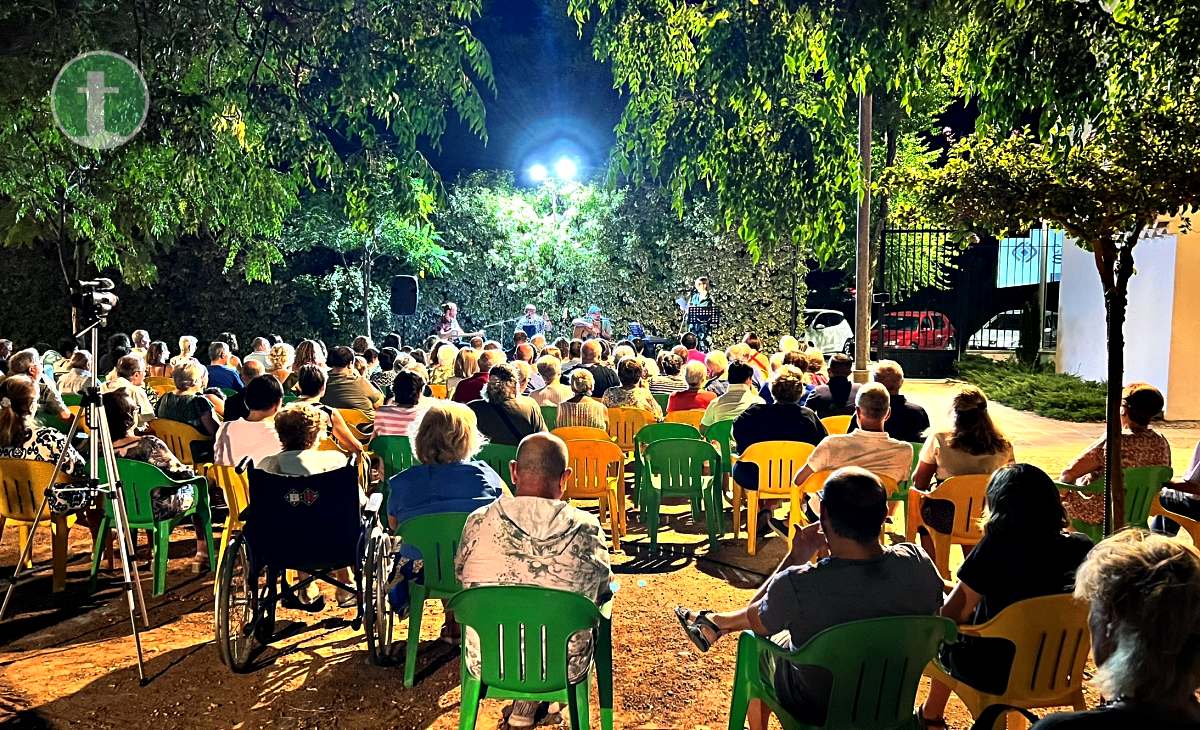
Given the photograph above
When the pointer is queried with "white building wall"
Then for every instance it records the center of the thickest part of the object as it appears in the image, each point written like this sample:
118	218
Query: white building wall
1081	320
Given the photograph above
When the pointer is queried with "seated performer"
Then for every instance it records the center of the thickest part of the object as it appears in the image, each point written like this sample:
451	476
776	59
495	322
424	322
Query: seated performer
532	323
592	324
448	328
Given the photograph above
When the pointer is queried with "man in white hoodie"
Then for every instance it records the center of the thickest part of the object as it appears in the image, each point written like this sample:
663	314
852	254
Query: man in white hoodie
536	539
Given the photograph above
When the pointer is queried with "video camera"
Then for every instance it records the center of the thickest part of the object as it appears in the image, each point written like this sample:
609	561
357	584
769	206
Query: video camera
94	299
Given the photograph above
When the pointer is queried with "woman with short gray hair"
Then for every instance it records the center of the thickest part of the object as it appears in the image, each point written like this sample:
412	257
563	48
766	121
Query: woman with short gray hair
503	417
187	403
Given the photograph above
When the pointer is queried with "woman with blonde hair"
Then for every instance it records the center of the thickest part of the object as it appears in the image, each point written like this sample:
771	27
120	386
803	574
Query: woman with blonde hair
188	403
279	361
443	357
308	352
973	446
445	480
187	351
466	365
1143	594
581	409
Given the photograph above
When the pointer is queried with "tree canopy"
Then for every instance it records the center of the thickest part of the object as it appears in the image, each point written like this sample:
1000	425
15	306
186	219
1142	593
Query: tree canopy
251	106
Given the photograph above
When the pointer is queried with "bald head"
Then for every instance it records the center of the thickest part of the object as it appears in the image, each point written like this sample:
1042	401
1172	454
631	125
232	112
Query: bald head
540	469
251	369
590	352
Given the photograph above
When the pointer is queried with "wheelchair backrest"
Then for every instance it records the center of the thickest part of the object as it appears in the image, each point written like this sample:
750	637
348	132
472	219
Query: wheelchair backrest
304	522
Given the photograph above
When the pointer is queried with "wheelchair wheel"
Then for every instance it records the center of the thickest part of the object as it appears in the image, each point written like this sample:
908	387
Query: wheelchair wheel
236	606
378	618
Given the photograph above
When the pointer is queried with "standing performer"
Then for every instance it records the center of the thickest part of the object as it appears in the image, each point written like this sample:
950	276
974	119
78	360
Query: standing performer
532	323
701	297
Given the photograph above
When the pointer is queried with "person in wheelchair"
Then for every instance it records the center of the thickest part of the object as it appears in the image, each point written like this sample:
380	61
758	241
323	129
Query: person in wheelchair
445	480
299	429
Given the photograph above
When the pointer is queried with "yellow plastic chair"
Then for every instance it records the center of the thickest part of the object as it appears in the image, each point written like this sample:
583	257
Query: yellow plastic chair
179	438
438	390
836	424
83	426
692	417
22	483
967	492
624	423
586	433
161	389
1051	637
355	418
778	462
598	472
237	496
1187	524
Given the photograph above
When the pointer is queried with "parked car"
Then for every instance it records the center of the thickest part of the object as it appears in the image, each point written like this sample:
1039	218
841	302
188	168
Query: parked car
1003	332
915	330
829	330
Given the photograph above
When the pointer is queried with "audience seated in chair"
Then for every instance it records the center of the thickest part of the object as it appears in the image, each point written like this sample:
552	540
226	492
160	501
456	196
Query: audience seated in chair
310	381
908	421
1143	593
695	397
716	363
740	395
1181	496
400	418
49	402
1141	445
299	428
603	375
782	420
669	379
505	416
859	580
535	538
795	359
222	373
187	403
22	438
581	409
346	388
79	375
973	446
838	396
253	436
122	415
632	393
868	446
1024	553
235	405
131	378
471	388
553	391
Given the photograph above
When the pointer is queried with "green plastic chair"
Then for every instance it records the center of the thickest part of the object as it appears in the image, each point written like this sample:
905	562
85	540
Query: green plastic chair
662	399
290	398
437	537
72	399
1141	486
550	416
498	457
395	452
647	435
228	392
138	479
675	467
523	633
901	494
876	666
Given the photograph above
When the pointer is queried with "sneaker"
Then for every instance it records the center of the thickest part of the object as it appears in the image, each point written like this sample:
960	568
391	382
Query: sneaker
523	713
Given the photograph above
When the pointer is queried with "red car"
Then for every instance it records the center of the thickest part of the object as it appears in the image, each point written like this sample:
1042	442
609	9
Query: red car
914	330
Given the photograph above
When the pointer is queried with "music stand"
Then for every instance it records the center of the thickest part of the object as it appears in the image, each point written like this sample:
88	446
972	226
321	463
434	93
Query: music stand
708	315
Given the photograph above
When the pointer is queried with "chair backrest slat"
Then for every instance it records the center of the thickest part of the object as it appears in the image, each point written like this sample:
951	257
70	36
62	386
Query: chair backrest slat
592	462
395	452
679	463
966	492
437	537
1050	634
179	437
21	484
624	424
498	457
778	462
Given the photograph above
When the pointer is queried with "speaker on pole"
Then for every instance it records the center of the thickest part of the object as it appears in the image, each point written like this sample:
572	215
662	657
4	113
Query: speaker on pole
404	295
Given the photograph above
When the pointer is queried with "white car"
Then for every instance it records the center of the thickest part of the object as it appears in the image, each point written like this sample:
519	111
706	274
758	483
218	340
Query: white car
1002	332
829	330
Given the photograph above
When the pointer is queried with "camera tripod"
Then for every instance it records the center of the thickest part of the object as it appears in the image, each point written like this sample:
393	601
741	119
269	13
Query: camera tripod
100	446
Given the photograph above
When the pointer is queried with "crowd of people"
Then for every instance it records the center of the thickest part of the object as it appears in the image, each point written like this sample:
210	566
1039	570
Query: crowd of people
285	408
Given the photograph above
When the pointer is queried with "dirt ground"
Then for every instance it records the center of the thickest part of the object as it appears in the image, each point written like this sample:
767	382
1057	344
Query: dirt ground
67	659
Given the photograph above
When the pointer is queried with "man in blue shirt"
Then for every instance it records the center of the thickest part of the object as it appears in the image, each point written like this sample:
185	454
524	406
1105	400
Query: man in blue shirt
220	375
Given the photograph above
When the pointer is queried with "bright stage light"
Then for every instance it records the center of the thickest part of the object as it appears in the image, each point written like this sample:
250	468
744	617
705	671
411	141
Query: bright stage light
538	173
565	169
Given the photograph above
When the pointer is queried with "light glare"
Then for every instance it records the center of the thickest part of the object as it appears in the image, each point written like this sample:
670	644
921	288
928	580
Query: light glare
565	169
538	173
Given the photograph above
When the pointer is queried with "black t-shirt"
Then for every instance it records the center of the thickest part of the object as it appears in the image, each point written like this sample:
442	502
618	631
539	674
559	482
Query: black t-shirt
907	422
1118	716
777	422
1005	569
605	378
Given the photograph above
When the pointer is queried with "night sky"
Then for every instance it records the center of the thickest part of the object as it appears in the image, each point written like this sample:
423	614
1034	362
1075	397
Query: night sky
552	98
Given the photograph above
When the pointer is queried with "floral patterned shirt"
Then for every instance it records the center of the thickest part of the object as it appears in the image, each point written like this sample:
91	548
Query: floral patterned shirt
639	397
1138	448
44	444
535	542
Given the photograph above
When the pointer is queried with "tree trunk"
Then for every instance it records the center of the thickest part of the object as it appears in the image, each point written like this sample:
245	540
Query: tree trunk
1116	299
366	272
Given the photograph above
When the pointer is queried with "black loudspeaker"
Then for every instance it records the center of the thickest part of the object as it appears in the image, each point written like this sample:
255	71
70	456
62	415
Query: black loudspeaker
404	295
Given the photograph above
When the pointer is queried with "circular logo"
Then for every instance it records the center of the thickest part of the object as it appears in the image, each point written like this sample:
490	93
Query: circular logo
99	100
